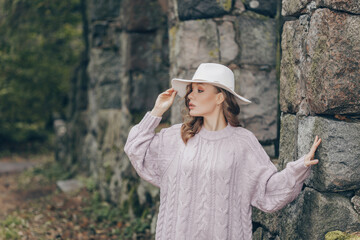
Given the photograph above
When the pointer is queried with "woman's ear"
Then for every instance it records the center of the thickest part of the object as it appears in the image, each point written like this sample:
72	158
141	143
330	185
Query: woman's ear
220	98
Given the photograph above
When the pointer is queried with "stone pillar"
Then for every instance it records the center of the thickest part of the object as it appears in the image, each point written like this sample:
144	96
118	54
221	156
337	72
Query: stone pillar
320	95
124	68
241	35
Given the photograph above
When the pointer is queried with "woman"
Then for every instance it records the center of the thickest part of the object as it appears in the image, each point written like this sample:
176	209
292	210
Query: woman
209	169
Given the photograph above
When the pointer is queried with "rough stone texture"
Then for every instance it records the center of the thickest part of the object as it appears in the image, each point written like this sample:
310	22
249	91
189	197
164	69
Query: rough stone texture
320	75
321	51
313	214
338	169
257	39
261	87
228	47
288	138
333	46
291	82
291	7
193	42
268	221
356	202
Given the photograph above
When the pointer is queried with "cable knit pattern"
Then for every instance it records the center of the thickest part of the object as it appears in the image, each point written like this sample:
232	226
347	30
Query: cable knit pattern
207	187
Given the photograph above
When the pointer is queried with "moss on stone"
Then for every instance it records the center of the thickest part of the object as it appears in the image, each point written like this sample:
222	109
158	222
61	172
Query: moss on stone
339	235
225	4
290	86
319	49
172	35
214	53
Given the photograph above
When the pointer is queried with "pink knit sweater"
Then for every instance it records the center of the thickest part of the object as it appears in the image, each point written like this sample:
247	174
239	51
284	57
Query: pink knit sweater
208	186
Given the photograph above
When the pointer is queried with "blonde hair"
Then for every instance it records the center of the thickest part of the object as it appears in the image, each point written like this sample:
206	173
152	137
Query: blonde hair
192	124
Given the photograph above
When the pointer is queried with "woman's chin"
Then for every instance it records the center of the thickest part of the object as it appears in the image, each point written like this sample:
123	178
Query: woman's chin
193	113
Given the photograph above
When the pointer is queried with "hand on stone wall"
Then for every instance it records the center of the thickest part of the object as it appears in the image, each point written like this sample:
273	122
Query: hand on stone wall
163	102
309	159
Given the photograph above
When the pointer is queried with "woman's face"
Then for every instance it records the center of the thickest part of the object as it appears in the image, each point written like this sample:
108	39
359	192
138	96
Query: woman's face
204	98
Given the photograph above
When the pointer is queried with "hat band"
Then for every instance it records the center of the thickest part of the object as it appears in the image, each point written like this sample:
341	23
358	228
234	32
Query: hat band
200	79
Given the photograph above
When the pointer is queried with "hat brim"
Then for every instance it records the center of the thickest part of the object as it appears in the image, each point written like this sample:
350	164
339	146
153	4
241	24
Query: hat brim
180	84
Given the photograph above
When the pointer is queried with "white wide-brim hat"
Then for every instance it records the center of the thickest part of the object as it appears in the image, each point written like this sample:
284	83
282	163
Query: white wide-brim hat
213	73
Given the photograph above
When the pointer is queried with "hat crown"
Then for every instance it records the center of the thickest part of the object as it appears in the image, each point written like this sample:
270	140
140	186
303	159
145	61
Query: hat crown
217	73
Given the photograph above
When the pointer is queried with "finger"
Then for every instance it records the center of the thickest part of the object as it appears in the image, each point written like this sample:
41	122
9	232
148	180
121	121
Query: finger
168	92
315	145
315	161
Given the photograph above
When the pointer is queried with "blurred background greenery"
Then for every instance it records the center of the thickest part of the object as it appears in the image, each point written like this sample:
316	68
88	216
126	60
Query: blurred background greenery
40	46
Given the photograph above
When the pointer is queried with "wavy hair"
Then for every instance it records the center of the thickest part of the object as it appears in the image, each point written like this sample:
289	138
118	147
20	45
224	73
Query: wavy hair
192	124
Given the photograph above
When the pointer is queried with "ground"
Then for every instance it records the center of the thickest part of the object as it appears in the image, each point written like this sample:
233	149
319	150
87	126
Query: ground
33	207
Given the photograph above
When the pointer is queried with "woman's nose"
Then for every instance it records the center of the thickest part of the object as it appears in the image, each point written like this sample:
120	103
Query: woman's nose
190	96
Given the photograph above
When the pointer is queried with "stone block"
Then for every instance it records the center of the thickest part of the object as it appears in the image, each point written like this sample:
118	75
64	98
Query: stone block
69	185
292	89
193	42
313	214
332	63
256	35
338	153
320	63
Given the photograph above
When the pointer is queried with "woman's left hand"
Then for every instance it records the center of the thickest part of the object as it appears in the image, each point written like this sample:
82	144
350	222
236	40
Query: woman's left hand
309	158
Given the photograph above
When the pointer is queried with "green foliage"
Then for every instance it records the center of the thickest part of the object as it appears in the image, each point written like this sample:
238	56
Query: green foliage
9	227
40	46
106	215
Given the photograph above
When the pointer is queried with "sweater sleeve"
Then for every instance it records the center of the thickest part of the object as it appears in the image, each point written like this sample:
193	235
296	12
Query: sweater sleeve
272	189
143	147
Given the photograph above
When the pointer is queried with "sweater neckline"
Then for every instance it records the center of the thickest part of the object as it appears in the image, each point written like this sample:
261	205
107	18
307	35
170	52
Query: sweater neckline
217	134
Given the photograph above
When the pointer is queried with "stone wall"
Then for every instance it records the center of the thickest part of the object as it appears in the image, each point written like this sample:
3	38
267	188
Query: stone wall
319	95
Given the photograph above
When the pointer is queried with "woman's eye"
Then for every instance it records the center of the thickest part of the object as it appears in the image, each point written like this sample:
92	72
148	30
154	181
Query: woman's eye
200	90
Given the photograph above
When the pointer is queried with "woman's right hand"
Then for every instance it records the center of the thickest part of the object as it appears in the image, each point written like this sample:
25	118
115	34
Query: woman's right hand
163	102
